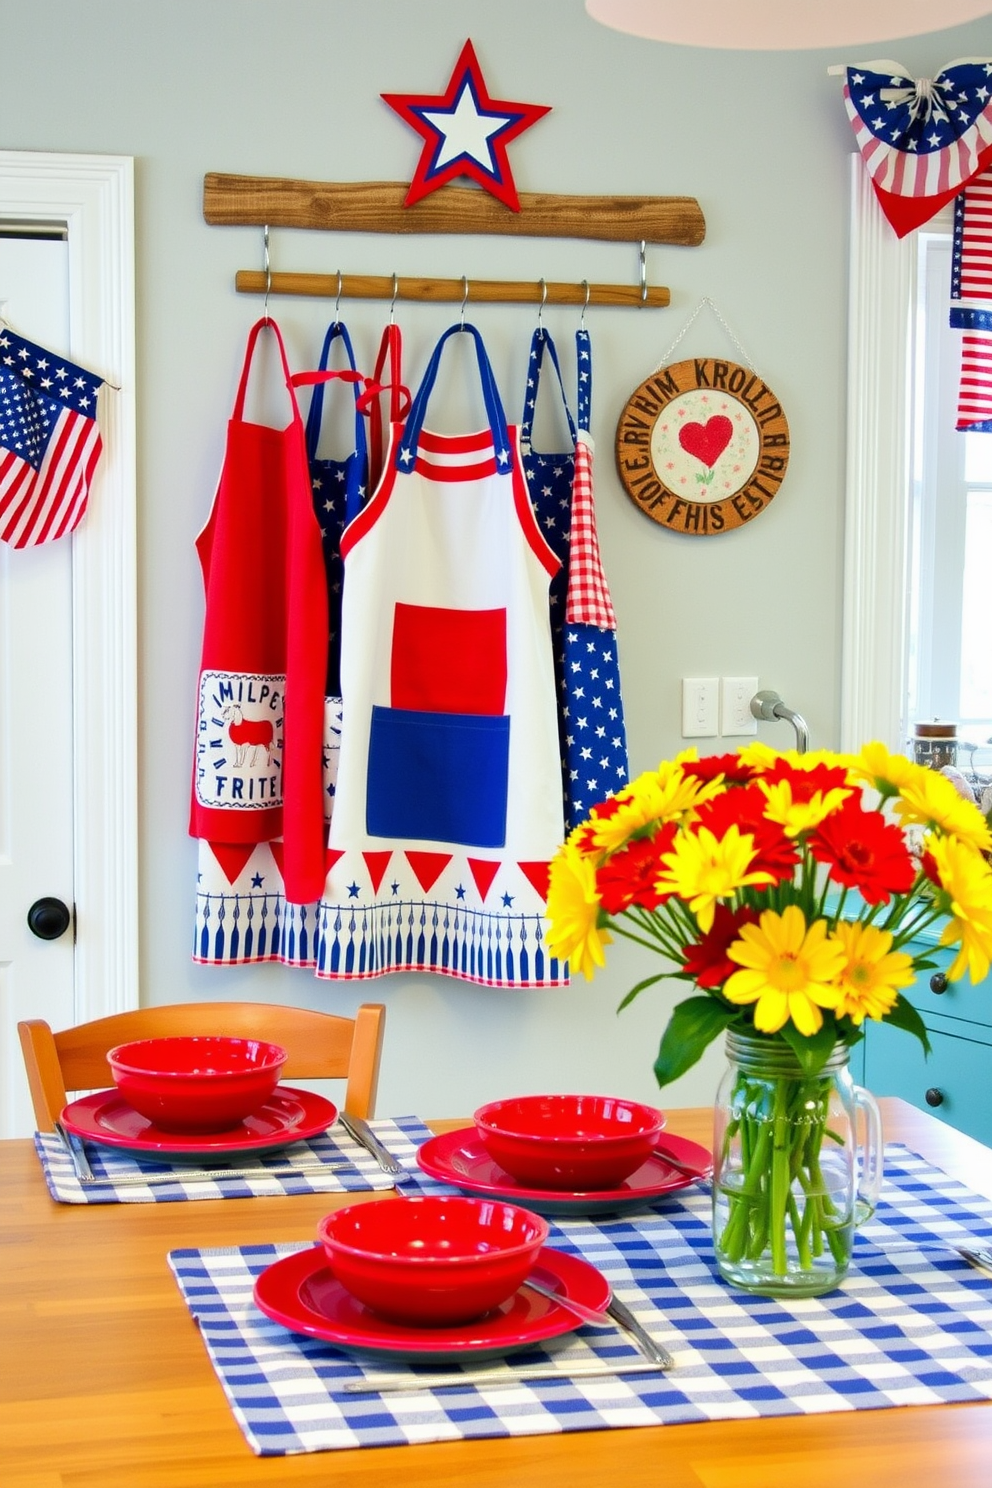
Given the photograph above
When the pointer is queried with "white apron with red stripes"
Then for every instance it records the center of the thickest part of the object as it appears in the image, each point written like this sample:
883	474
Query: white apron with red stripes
448	803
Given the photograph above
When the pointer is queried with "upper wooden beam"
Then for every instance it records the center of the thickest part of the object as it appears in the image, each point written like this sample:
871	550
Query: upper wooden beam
377	207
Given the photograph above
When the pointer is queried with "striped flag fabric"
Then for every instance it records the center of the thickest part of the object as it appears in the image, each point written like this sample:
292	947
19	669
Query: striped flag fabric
921	140
49	441
971	302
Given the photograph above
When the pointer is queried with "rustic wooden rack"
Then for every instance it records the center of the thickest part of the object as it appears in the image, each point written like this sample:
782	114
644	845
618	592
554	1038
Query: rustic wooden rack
377	207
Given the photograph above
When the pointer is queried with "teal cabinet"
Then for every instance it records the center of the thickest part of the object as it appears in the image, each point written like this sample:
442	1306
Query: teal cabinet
955	1083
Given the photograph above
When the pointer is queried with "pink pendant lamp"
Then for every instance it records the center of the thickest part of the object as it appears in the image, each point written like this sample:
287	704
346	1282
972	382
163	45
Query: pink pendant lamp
782	25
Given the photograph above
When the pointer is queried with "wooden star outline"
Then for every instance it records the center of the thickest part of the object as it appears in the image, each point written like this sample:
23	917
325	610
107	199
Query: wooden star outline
495	122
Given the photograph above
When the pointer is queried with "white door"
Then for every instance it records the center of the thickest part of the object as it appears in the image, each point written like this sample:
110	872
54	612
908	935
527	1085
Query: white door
36	732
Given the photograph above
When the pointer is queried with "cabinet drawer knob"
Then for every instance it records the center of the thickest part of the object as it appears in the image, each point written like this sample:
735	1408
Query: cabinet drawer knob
938	982
934	1097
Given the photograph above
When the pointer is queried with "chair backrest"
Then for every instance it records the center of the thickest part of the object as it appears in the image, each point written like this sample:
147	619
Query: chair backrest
318	1045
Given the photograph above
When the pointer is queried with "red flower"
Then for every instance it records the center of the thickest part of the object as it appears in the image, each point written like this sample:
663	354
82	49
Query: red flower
745	808
806	783
628	877
712	765
707	961
864	852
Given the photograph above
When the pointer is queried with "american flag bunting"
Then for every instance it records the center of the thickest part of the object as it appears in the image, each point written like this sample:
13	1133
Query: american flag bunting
921	140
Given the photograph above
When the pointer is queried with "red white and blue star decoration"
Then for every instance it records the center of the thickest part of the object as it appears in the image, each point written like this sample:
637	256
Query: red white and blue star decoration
922	141
465	132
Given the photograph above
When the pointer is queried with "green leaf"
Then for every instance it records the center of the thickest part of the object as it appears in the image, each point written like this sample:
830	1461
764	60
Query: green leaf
694	1024
813	1049
904	1015
647	982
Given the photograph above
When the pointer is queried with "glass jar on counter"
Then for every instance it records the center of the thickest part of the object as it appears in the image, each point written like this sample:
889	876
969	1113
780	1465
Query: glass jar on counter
935	744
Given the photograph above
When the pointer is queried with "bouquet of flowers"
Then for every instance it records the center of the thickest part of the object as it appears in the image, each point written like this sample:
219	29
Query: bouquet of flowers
786	887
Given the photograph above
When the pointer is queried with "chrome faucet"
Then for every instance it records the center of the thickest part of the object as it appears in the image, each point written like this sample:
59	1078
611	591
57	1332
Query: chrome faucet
768	705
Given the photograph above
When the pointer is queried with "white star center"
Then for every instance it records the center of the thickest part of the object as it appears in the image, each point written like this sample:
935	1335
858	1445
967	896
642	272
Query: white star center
466	131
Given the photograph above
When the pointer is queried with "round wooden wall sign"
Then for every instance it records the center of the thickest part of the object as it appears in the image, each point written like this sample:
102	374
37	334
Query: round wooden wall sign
702	446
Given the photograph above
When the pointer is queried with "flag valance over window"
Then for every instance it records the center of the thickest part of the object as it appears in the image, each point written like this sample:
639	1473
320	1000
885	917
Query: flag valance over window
922	140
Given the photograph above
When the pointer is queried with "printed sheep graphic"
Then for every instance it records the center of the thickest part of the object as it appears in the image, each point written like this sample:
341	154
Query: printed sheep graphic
247	734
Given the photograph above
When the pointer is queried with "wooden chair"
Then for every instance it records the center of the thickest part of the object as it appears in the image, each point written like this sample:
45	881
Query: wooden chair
319	1046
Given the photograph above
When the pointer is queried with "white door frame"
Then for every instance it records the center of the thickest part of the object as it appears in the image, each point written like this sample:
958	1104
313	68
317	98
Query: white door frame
93	195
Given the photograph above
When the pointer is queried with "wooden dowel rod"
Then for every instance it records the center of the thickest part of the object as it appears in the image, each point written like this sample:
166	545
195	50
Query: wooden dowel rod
377	207
444	291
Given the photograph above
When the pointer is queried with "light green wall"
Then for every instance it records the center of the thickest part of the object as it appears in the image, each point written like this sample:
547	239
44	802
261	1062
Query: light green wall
291	87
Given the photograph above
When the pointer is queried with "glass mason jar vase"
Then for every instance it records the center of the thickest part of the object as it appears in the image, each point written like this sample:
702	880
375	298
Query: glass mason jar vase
791	1180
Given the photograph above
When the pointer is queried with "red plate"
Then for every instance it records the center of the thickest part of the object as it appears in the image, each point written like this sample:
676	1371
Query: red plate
287	1116
459	1158
302	1293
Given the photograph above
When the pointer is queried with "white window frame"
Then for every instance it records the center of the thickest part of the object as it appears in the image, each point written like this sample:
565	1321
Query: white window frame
93	195
881	325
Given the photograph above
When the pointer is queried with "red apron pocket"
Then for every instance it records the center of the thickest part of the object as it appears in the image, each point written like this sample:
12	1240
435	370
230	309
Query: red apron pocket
448	661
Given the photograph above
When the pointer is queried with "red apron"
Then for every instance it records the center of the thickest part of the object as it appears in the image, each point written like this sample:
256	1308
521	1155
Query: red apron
257	770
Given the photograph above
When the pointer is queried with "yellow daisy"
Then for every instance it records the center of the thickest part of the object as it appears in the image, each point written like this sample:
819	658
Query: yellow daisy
758	756
796	817
965	879
665	794
573	912
886	772
872	973
703	869
789	970
929	798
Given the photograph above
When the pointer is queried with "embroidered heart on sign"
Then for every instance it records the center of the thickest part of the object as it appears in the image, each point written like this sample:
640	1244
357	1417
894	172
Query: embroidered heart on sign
707	441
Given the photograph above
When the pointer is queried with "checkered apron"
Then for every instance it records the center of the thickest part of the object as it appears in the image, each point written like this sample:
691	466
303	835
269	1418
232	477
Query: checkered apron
595	737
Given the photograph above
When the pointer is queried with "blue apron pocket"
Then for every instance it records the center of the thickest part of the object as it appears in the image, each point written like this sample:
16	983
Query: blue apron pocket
440	777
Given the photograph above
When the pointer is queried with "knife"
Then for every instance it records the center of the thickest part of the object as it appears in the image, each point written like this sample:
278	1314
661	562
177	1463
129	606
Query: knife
206	1175
625	1319
77	1153
363	1134
383	1383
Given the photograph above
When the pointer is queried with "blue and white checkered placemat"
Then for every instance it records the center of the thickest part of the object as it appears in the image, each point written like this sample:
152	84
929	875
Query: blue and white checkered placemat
911	1325
118	1169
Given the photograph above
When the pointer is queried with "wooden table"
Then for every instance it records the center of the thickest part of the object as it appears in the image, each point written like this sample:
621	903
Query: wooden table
104	1382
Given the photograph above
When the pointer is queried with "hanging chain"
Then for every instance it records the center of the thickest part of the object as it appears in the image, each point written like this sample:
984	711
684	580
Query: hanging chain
705	301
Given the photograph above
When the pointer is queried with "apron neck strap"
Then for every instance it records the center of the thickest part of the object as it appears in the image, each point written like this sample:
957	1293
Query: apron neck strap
336	331
539	343
391	351
265	322
583	360
406	451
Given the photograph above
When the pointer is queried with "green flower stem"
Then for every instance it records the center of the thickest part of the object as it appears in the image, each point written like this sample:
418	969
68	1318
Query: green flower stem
780	1176
781	1203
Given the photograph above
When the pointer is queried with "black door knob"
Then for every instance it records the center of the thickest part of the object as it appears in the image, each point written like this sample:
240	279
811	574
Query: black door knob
938	983
49	918
934	1097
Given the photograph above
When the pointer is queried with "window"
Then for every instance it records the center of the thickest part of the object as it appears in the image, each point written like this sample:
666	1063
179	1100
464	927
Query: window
918	548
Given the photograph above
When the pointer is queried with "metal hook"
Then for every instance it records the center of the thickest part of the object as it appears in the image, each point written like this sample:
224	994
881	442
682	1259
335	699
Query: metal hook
268	271
644	271
464	300
392	303
544	301
585	304
337	302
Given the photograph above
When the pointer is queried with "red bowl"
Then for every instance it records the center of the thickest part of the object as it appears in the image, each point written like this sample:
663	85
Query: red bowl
196	1084
432	1260
574	1142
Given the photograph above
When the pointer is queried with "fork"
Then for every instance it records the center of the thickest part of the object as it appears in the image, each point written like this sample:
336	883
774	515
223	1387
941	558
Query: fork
980	1259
